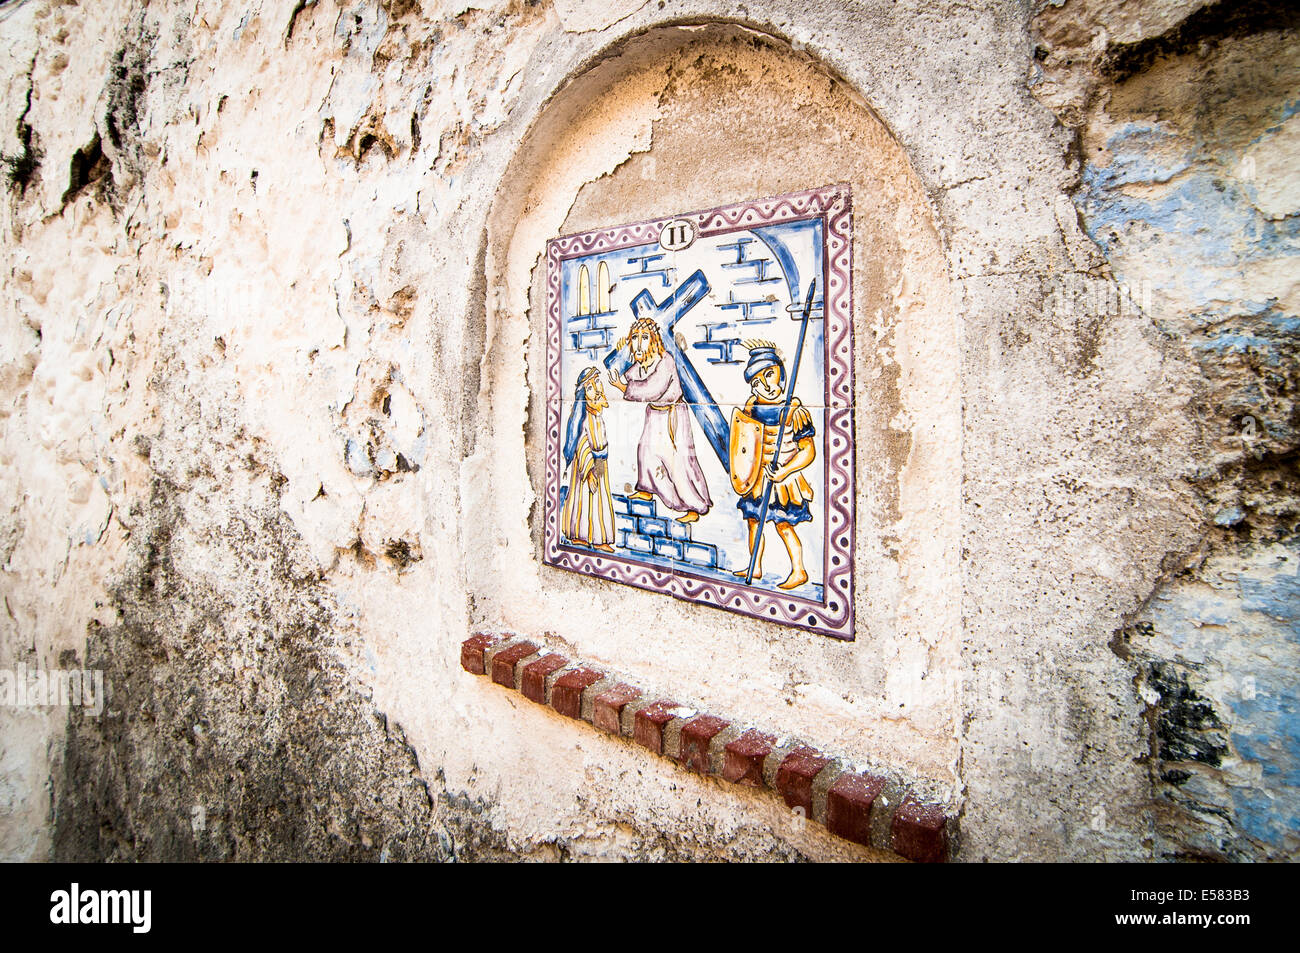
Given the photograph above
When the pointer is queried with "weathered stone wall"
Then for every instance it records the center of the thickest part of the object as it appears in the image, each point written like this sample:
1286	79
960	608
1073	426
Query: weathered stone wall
1190	186
269	391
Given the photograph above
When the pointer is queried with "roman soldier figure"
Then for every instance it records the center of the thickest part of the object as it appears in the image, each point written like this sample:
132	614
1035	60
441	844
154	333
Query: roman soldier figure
757	463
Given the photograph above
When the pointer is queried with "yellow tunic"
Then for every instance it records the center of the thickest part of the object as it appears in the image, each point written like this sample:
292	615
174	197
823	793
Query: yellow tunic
588	515
793	491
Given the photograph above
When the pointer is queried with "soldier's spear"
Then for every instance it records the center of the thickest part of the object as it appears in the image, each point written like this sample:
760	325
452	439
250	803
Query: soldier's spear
780	432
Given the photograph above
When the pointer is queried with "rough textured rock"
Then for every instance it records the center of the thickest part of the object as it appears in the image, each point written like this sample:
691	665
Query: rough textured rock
1185	190
269	422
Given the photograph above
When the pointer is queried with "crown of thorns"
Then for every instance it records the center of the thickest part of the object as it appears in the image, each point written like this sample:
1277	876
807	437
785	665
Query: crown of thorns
643	324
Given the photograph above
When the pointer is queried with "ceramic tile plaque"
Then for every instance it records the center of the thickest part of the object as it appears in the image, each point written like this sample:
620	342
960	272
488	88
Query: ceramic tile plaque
699	388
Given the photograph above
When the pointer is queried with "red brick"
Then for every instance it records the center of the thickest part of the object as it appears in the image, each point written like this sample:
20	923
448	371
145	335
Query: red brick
794	779
919	832
696	735
648	725
533	681
743	759
607	707
503	663
848	806
566	693
472	649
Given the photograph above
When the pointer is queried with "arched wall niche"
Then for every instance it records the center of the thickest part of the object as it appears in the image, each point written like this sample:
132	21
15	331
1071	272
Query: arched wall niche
691	117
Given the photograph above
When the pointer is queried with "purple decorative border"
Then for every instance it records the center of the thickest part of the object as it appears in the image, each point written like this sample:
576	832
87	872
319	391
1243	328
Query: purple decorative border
834	615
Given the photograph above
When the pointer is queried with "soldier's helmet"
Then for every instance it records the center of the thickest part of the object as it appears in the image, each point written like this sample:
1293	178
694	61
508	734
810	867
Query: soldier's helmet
762	355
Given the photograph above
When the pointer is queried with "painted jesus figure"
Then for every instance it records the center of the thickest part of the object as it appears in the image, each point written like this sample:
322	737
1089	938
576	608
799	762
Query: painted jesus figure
666	465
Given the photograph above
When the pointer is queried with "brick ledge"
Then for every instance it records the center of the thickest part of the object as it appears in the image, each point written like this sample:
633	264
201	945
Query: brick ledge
866	809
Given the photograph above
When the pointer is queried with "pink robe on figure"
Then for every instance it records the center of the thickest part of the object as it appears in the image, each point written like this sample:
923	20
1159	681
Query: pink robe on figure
665	458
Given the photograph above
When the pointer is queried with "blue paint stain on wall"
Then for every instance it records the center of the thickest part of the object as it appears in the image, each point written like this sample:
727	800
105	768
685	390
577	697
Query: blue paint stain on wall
1270	811
1132	162
1179	214
1266	715
1233	634
1277	596
1205	218
1208	217
1255	817
1272	336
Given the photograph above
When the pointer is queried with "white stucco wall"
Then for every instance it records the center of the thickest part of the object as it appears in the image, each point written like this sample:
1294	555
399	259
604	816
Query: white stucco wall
291	319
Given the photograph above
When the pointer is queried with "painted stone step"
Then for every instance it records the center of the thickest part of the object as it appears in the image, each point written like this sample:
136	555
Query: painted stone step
704	555
635	542
678	530
670	548
642	507
652	525
625	504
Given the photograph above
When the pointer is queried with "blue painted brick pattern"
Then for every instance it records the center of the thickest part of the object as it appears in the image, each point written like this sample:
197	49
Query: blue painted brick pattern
652	525
668	548
642	530
641	507
636	543
700	554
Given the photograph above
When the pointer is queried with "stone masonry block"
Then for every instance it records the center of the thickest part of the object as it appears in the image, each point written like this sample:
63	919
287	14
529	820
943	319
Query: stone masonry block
641	507
821	787
794	779
718	747
848	806
652	526
636	543
696	735
669	548
627	721
588	705
471	652
607	707
673	731
700	554
533	682
566	693
492	651
920	832
857	807
504	662
648	726
744	757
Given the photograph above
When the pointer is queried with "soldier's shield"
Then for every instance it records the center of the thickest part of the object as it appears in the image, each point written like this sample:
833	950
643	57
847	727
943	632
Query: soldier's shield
746	452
